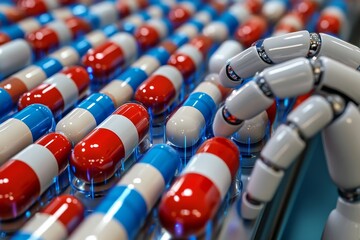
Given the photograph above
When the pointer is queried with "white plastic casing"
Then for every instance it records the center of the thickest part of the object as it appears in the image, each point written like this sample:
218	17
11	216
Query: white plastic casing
311	116
252	130
238	105
263	182
290	79
283	147
339	50
221	127
227	50
287	46
341	78
248	210
247	102
11	62
245	65
341	144
343	222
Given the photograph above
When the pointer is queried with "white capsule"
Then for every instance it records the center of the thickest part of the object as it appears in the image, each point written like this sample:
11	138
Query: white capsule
106	11
227	50
185	126
273	10
14	56
67	56
119	92
217	31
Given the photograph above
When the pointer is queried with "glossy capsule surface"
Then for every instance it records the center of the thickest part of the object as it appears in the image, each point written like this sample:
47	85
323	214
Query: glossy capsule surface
60	91
137	191
100	153
37	165
194	197
55	222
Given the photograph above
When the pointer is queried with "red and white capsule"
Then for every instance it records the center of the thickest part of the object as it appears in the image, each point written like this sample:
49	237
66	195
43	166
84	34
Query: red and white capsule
150	33
252	30
126	7
181	13
188	58
119	51
161	89
29	173
97	157
12	14
195	196
56	34
36	7
59	92
332	20
56	221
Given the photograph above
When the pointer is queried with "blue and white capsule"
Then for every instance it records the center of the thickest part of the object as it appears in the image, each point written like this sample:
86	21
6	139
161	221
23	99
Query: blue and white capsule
158	10
85	117
224	27
187	125
24	128
123	87
31	24
30	77
125	207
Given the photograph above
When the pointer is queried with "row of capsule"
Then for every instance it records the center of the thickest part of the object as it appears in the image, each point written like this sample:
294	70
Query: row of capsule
127	140
76	23
164	73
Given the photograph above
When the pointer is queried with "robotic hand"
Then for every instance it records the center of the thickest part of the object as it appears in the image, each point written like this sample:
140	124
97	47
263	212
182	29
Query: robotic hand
326	65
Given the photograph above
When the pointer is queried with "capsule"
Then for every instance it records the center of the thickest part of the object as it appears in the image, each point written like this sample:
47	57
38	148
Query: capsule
150	33
124	8
252	30
187	125
14	56
188	58
123	87
97	157
138	191
160	90
31	24
36	7
23	129
195	196
182	13
85	117
112	55
332	19
59	92
10	14
56	34
14	86
29	173
55	222
225	25
131	23
273	10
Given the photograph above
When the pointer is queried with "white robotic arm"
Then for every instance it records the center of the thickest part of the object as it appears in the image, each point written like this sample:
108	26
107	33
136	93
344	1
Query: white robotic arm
288	79
333	110
278	49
